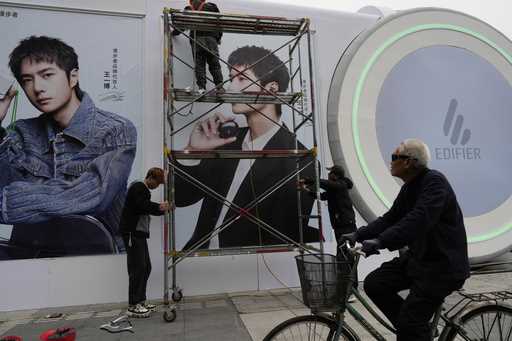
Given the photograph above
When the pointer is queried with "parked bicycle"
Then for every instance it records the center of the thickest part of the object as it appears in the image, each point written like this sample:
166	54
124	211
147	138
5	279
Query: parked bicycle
326	284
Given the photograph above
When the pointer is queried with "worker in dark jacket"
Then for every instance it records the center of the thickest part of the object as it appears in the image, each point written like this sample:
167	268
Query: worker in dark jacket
339	204
134	227
427	219
205	48
341	210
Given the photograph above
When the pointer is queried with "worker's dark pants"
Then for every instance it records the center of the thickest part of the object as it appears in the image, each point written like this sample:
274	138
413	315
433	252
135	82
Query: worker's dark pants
205	49
139	268
410	316
345	255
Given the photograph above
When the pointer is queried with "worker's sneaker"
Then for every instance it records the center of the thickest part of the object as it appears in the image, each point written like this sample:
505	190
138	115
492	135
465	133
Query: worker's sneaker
138	310
149	306
201	91
220	90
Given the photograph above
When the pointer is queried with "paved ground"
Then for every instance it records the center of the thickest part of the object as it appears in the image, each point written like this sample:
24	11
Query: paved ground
240	316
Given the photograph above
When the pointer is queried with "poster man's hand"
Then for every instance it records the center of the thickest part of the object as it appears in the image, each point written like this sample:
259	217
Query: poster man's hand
205	135
5	102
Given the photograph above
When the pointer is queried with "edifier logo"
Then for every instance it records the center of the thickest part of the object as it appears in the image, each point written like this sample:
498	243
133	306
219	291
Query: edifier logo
457	137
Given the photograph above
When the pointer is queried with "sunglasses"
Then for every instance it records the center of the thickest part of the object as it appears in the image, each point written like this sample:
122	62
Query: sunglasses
395	157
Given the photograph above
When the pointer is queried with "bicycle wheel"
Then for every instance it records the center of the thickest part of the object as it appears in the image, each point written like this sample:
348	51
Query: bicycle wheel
310	328
485	323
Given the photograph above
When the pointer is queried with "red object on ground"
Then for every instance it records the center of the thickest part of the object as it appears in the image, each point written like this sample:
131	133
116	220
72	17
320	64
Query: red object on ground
59	334
11	338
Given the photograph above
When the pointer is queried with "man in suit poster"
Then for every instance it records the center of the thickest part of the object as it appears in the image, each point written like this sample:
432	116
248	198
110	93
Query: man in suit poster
241	181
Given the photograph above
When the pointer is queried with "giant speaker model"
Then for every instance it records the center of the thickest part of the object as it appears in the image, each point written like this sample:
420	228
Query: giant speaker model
444	77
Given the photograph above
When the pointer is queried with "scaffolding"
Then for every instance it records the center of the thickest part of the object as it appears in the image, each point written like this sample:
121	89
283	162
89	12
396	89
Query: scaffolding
295	32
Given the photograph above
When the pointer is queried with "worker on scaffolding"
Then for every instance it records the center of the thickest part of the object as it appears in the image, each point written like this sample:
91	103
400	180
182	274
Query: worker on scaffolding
205	48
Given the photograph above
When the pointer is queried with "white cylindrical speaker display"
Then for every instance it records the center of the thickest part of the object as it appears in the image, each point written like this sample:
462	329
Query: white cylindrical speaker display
441	76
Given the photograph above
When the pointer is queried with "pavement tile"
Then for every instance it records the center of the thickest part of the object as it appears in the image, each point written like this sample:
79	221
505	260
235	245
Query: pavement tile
245	316
79	315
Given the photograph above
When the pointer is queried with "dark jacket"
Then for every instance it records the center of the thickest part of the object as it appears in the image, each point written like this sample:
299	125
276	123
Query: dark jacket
426	217
339	203
207	7
138	202
279	210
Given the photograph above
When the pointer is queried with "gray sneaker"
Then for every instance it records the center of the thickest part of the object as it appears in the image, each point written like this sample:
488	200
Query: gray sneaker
149	306
138	311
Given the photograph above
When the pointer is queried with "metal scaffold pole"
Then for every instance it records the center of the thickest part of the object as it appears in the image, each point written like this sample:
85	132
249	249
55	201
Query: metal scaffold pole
315	142
166	77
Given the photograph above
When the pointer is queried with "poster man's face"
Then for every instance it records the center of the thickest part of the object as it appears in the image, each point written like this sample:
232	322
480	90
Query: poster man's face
46	85
242	83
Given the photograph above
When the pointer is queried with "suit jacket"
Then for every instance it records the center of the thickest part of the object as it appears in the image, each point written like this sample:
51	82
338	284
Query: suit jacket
279	210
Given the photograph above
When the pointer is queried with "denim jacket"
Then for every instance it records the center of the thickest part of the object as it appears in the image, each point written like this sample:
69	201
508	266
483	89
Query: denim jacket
83	169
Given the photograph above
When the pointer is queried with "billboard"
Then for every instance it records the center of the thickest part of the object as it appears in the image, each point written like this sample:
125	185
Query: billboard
72	129
238	202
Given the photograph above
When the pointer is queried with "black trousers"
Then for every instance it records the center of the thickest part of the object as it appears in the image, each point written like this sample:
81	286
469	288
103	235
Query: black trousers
410	316
139	268
345	255
209	55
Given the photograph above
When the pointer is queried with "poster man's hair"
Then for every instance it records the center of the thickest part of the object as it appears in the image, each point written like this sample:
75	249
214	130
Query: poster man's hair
44	49
269	69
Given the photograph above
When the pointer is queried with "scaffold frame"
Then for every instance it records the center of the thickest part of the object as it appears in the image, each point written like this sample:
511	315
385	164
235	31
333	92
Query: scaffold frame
298	29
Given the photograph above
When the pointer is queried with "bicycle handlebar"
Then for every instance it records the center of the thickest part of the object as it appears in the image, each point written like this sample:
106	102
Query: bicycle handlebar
354	250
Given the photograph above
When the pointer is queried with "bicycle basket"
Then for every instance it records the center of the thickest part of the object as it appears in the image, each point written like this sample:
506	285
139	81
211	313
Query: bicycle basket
325	281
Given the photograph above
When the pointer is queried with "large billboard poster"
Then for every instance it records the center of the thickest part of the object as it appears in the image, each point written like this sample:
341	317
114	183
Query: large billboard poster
72	130
242	190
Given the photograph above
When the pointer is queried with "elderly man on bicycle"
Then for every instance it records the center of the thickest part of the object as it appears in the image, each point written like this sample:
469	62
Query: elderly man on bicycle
427	219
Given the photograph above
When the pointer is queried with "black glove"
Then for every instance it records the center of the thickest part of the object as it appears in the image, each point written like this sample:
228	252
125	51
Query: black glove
350	237
371	247
175	32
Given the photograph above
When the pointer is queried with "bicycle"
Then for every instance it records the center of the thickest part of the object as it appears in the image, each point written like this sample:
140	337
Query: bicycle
326	284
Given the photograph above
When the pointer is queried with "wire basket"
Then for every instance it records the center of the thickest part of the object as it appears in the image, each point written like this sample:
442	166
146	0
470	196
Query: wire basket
325	281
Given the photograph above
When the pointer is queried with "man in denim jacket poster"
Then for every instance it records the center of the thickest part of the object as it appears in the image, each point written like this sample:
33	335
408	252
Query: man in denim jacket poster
63	174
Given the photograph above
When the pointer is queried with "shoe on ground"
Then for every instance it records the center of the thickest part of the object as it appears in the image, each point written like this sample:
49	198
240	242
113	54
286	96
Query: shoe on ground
149	306
138	311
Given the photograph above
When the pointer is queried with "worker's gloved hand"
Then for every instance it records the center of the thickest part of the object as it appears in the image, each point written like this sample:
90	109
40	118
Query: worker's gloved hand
371	247
350	237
